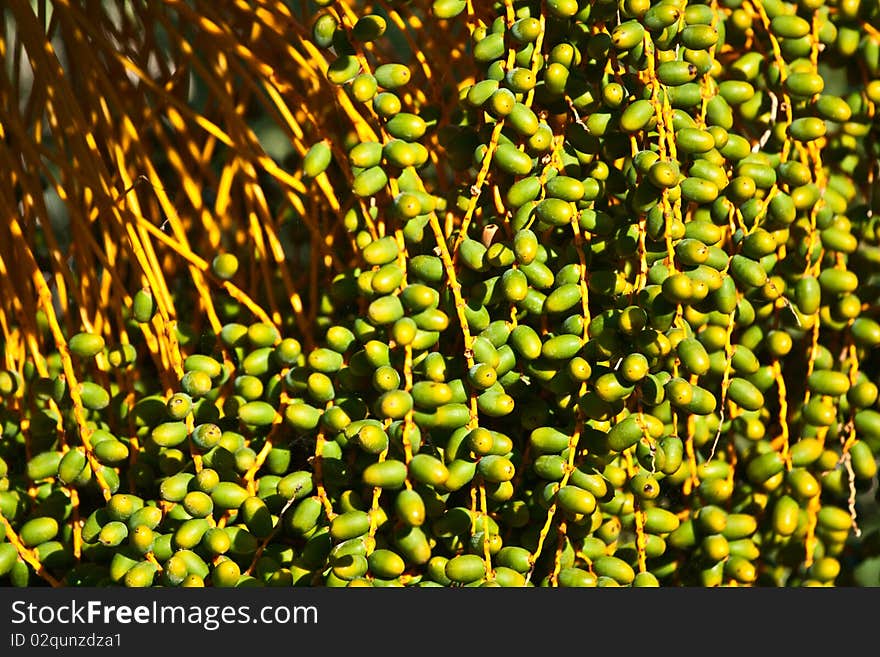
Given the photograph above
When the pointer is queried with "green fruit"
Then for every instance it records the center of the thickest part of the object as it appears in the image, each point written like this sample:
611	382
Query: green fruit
804	84
547	440
496	468
72	465
8	558
563	298
257	517
140	575
317	159
807	128
38	530
228	495
296	485
626	433
190	533
699	190
370	181
406	126
763	467
664	174
561	347
446	9
386	564
627	35
465	568
349	525
512	161
198	504
526	342
676	72
660	521
693	356
196	383
615	568
694	140
224	266
257	413
866	332
745	394
169	434
43	466
747	272
828	382
410	507
385	474
85	345
789	26
389	76
576	500
636	116
143	306
428	470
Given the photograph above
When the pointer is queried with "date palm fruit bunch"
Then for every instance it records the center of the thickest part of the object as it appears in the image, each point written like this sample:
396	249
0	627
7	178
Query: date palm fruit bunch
440	293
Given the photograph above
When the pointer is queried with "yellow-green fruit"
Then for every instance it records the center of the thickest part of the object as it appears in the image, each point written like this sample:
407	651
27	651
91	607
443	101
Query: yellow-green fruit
317	159
465	568
225	574
295	485
43	465
834	518
257	413
385	474
38	530
190	533
627	35
789	26
349	525
660	521
169	434
513	161
636	116
807	129
762	468
72	465
740	569
785	515
143	305
228	495
257	517
410	507
664	174
427	469
196	383
496	468
386	564
615	568
225	266
85	345
745	394
626	433
8	558
526	342
576	500
364	87
198	504
576	578
391	76
547	440
141	575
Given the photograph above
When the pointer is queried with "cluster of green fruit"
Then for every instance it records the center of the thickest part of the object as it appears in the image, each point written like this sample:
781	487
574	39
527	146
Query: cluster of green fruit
636	346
